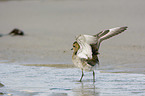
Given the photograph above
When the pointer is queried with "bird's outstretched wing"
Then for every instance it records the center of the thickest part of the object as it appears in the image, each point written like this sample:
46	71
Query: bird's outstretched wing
89	45
106	34
85	50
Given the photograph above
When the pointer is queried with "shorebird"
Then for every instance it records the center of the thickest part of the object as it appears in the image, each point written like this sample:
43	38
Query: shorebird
86	49
16	32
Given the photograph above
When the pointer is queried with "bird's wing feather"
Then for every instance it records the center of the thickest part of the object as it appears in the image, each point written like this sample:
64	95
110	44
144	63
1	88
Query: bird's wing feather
85	50
103	35
90	39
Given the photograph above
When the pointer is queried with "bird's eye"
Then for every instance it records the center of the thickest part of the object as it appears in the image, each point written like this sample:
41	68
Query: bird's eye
74	46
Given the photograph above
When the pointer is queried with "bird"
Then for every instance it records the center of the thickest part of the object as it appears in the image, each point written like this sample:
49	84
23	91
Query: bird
16	32
86	49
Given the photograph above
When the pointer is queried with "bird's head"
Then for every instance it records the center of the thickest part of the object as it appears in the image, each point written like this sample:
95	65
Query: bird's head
76	47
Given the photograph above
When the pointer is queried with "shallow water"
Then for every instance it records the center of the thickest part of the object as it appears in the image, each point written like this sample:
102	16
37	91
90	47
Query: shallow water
22	80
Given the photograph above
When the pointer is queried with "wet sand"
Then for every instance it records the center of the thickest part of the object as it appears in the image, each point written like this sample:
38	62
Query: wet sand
51	26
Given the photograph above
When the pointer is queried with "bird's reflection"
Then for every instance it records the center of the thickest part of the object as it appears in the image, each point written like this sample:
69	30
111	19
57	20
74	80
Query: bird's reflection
87	89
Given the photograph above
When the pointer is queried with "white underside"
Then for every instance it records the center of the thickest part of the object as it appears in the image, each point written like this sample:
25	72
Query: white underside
78	63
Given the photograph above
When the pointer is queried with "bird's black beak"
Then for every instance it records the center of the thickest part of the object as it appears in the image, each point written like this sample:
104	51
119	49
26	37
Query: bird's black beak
71	48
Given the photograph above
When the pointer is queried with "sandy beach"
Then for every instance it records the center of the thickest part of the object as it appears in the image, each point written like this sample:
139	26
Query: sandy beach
50	27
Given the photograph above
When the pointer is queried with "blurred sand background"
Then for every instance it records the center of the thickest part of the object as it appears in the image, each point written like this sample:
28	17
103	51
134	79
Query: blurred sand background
50	27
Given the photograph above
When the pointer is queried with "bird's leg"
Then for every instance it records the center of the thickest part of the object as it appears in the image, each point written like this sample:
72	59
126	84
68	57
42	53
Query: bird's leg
82	76
93	76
